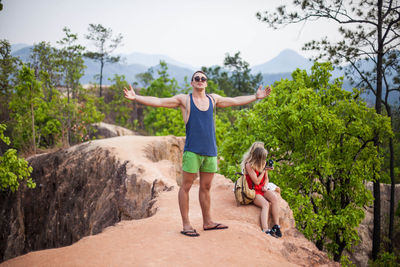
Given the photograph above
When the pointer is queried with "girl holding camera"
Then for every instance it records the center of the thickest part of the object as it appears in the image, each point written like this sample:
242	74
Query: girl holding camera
256	170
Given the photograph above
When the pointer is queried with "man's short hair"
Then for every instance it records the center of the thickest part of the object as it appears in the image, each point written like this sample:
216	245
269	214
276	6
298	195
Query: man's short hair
199	71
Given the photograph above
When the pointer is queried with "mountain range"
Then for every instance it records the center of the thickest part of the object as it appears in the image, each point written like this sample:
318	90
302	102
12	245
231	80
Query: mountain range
279	67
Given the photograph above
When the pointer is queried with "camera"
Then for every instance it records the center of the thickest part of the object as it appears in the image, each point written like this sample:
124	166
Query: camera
269	163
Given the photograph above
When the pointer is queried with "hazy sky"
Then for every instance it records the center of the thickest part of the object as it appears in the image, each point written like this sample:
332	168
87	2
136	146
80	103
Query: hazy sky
198	33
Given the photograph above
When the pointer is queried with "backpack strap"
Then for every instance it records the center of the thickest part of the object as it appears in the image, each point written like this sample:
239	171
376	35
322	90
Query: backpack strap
244	174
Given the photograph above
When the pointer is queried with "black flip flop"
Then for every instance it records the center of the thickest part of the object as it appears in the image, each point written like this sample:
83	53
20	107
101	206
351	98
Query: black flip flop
216	227
191	233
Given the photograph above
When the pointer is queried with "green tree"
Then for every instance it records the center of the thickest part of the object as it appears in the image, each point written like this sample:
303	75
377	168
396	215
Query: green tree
71	60
55	68
221	78
24	103
145	78
322	138
62	110
118	110
239	81
244	83
105	43
374	36
34	117
12	167
85	113
45	61
51	120
8	73
159	121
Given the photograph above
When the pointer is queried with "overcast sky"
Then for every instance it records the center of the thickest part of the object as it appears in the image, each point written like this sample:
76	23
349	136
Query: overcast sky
198	33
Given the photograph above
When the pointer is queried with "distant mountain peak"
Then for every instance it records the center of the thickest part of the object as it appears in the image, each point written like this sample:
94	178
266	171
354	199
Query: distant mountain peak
288	51
16	47
286	61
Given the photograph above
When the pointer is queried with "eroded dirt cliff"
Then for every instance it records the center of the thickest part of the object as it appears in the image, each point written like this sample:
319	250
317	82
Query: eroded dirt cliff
87	195
84	189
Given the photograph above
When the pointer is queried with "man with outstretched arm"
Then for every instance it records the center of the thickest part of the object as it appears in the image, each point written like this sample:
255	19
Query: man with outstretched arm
200	152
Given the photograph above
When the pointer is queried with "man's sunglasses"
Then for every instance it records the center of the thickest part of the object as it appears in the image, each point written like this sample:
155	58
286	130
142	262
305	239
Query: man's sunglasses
197	79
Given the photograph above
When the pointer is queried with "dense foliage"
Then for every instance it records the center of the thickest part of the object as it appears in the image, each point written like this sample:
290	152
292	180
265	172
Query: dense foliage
236	79
13	169
322	140
36	111
163	121
368	48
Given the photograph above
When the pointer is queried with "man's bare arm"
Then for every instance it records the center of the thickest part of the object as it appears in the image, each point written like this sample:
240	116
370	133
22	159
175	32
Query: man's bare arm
168	102
224	102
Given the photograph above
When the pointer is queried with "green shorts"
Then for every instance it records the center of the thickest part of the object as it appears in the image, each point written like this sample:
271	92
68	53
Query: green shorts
192	162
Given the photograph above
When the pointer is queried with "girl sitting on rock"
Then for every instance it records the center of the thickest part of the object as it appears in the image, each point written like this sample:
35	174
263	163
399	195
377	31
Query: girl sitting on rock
256	171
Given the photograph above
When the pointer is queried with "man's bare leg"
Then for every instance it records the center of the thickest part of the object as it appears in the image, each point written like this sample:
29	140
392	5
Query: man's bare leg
205	201
183	198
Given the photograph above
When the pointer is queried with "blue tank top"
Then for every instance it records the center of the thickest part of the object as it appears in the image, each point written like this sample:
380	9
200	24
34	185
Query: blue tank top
200	132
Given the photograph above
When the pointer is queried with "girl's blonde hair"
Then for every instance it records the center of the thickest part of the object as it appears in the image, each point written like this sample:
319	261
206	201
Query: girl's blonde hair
256	156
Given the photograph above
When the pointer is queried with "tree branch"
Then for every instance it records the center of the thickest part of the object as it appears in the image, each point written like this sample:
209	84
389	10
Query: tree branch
358	153
393	22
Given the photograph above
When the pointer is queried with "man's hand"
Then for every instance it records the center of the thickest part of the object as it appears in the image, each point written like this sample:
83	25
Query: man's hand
130	94
260	94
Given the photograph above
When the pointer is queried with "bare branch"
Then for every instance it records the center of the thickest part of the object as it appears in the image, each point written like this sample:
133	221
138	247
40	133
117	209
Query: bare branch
363	77
393	22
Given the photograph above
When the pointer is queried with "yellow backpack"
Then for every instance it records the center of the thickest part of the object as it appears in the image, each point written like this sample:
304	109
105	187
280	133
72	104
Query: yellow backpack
243	194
